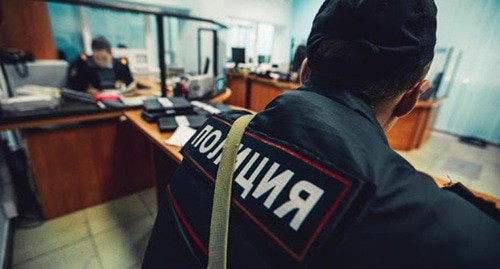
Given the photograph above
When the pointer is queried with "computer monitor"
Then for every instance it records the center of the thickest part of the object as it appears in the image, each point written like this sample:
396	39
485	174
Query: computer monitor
48	73
238	55
264	59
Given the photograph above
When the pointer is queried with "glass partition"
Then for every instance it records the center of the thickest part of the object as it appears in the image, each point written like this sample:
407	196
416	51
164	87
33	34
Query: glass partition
66	30
122	29
191	45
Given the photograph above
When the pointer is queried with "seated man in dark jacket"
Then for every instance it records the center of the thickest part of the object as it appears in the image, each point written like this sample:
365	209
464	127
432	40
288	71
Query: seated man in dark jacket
99	71
316	184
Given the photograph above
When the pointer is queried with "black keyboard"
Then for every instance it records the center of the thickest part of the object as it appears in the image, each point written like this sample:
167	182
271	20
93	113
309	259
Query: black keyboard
77	95
167	103
170	123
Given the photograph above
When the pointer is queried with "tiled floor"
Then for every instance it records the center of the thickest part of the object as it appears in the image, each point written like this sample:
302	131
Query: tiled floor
111	235
444	156
115	234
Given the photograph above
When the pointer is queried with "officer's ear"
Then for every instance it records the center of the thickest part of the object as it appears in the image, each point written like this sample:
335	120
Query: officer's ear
410	98
304	71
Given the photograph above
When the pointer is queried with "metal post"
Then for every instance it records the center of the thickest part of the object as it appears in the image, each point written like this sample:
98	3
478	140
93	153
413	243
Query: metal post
216	54
199	51
85	28
161	54
215	50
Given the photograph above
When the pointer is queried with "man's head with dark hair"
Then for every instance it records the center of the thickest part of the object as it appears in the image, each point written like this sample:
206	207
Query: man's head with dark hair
377	48
372	87
101	49
101	43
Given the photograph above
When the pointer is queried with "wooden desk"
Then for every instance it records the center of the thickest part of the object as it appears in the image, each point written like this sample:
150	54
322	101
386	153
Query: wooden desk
166	158
60	121
255	93
81	160
239	86
263	91
80	156
96	158
174	157
411	131
154	135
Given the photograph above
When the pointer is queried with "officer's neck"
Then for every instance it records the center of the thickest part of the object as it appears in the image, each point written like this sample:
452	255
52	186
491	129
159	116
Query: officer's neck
389	111
384	112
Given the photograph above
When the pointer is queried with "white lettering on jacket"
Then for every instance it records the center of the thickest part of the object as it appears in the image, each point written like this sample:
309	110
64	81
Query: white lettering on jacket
263	184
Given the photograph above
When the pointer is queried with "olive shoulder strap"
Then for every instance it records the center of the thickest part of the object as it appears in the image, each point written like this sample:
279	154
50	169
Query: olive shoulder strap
219	224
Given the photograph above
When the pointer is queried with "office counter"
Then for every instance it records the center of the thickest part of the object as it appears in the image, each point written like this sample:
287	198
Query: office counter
68	111
83	160
80	158
254	92
415	128
263	91
81	155
166	158
155	136
239	84
92	162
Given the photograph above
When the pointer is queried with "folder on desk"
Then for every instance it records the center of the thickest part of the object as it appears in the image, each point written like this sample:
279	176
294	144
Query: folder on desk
207	108
154	116
167	103
77	95
170	123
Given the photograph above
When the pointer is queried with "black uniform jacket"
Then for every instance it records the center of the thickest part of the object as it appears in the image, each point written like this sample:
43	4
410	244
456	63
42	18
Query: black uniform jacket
317	186
84	72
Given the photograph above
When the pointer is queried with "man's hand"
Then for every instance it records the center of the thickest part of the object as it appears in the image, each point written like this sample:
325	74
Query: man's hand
441	182
93	91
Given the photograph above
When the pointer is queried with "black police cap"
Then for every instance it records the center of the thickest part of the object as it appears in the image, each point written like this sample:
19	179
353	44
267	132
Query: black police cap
384	35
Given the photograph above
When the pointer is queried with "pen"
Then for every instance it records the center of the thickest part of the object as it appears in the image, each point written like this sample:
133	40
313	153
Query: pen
101	105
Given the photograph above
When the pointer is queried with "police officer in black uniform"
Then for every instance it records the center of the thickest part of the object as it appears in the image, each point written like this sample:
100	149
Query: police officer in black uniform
99	71
316	184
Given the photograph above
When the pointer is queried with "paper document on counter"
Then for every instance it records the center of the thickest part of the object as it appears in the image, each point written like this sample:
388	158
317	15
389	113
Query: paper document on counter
133	101
181	136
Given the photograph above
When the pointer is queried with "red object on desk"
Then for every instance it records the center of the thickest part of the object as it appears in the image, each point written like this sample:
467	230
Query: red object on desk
107	96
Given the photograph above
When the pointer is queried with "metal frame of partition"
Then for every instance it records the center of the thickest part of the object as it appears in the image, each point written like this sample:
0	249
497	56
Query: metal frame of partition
215	50
159	14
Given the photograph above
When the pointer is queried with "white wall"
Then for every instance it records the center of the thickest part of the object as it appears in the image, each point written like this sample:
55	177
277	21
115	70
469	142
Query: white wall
174	4
303	14
273	11
276	12
471	27
472	107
